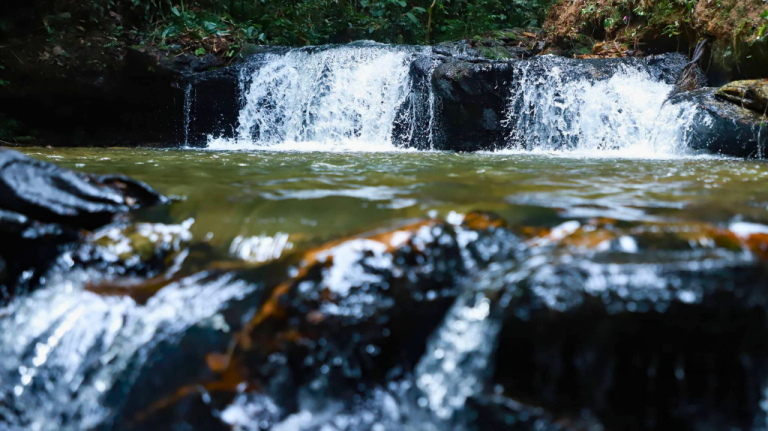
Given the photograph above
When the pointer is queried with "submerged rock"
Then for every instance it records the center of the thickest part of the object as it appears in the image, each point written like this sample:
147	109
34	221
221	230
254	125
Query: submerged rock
45	207
350	316
747	94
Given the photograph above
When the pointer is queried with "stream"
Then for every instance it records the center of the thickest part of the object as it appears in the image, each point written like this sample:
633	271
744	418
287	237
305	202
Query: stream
592	273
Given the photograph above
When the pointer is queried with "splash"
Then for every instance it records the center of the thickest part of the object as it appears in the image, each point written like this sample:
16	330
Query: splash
565	108
331	99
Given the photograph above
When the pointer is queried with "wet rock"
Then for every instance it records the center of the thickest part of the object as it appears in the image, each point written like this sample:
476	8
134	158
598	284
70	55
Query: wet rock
472	97
44	192
134	253
352	315
26	249
747	94
466	325
45	207
495	412
722	127
648	326
478	104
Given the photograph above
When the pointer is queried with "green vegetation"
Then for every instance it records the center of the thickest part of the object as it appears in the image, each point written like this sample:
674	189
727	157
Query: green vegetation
275	22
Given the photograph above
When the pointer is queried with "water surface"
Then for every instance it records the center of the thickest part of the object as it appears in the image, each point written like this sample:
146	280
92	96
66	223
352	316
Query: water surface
316	196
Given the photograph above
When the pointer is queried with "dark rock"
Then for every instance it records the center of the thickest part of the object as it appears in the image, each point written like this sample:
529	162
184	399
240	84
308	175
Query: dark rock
738	60
497	412
27	248
43	208
722	127
471	99
354	315
478	103
138	100
637	339
46	193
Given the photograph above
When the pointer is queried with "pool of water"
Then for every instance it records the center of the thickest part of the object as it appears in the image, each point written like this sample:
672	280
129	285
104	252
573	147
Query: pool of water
316	196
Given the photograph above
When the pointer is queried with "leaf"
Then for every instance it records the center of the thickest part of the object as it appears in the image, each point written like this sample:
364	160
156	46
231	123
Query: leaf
200	51
412	18
762	30
402	3
175	11
419	9
765	14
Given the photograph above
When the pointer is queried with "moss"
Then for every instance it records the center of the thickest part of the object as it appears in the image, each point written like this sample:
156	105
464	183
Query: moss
494	53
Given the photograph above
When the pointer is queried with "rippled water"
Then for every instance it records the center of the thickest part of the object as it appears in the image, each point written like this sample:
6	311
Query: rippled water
312	196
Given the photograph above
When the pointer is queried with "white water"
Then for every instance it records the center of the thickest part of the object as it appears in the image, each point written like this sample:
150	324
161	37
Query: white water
458	357
622	116
337	99
350	99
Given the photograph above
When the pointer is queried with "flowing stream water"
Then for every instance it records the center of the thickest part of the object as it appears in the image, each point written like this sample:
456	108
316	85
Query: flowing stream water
315	158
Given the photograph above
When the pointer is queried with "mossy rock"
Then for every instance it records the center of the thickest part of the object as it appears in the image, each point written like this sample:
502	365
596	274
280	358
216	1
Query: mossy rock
751	94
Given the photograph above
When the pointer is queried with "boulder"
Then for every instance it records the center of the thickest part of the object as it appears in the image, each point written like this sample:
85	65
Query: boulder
47	193
615	327
722	127
44	208
751	94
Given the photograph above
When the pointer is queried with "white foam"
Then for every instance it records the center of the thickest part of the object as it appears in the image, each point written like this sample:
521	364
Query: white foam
337	99
624	116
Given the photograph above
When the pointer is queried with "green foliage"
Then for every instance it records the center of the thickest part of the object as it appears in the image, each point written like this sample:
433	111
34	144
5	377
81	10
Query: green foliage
296	22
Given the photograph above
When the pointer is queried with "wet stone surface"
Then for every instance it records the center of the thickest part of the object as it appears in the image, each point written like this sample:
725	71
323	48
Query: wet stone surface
466	324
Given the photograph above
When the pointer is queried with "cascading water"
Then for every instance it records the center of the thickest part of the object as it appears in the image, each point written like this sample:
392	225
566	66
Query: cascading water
343	98
559	105
367	97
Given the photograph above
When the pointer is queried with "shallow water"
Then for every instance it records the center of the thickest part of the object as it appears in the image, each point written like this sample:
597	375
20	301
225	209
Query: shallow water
316	196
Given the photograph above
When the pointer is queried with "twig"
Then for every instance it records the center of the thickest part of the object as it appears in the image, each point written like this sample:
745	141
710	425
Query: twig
17	57
8	143
429	20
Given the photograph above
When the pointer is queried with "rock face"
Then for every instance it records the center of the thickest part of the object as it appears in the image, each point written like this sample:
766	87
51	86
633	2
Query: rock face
44	207
143	99
472	97
738	60
722	127
747	94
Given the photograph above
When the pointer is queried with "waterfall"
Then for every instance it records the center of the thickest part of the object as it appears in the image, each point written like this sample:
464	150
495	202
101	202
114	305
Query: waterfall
187	111
374	97
566	106
330	98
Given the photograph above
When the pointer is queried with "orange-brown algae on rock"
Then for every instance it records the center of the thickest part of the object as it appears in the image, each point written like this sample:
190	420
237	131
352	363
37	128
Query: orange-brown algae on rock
478	220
